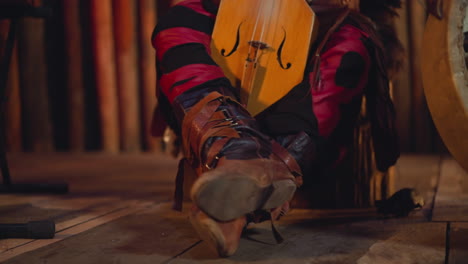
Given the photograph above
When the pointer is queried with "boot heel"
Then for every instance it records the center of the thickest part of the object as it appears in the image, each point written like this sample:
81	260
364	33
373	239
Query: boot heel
283	191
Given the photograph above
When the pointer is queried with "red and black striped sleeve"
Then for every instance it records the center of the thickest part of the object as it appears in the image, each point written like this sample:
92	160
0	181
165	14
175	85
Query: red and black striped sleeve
182	42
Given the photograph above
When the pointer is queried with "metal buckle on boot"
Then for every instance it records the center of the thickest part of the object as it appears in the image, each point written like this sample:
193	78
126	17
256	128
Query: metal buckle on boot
233	124
213	163
227	114
230	118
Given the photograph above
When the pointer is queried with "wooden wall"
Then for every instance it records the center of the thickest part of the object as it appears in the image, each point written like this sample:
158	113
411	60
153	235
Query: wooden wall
84	79
416	129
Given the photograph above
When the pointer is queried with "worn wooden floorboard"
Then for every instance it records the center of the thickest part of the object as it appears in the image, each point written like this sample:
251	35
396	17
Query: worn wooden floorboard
73	230
306	241
64	211
418	243
101	188
75	215
458	243
151	235
451	201
334	240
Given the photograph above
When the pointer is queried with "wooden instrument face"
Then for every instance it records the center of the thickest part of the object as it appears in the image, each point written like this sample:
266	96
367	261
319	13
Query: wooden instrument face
262	47
445	76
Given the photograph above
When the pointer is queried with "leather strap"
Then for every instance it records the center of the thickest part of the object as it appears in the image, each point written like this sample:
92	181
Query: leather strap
289	160
213	152
198	114
179	186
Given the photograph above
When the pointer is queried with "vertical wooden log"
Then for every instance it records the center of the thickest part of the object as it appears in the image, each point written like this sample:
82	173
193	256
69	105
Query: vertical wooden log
104	60
402	83
127	80
147	20
74	80
13	107
421	123
13	102
37	125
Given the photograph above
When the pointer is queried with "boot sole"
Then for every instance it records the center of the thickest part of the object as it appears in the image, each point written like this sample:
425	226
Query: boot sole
226	195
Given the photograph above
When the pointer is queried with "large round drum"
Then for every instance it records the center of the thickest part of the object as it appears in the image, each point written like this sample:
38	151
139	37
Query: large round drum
445	76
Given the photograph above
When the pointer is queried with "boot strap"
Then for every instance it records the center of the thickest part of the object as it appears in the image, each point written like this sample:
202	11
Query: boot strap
195	119
289	160
263	215
179	186
203	121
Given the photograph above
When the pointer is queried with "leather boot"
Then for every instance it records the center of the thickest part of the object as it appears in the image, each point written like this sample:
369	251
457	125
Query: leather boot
240	170
223	237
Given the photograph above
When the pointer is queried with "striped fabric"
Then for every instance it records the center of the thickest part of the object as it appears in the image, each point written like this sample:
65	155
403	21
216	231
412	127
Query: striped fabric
182	42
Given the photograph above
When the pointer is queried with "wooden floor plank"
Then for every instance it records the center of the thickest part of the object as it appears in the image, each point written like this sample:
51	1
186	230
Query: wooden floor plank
18	213
413	243
100	185
322	239
21	214
90	234
458	243
94	212
451	201
152	235
65	213
73	230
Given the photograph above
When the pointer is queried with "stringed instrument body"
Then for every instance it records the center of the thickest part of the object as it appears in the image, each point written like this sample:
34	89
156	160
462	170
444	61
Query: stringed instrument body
263	46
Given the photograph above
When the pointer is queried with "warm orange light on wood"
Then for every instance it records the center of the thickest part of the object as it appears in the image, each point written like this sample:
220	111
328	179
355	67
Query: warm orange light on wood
263	46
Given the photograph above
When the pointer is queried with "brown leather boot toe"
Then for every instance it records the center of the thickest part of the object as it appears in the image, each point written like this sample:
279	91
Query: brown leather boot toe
223	237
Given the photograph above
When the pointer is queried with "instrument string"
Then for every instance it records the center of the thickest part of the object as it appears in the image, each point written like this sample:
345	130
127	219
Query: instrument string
257	21
267	16
263	11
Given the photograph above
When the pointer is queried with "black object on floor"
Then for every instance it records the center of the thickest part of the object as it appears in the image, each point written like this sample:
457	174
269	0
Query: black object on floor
32	230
